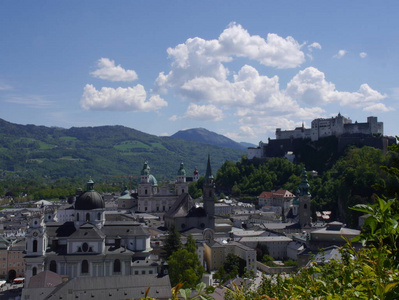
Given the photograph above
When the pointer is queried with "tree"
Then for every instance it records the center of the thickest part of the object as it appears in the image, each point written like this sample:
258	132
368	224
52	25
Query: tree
191	245
185	267
172	242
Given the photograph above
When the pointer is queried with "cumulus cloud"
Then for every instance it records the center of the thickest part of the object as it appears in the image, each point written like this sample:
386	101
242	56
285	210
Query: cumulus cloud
200	75
199	58
107	70
340	54
120	99
363	54
204	112
378	107
310	87
314	45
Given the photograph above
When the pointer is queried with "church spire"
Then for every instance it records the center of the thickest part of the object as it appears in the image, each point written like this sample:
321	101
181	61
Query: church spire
208	173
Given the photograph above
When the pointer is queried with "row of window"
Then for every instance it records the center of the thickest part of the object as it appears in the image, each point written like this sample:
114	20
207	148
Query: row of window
88	217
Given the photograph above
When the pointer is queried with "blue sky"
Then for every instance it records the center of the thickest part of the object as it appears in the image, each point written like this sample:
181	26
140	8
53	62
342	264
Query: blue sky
239	68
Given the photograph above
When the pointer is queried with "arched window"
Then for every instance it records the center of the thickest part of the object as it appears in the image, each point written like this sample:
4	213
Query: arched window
85	247
85	267
88	217
34	246
117	266
34	271
99	215
53	266
77	217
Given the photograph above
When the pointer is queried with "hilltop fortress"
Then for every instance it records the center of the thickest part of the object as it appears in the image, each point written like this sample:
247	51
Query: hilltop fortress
370	133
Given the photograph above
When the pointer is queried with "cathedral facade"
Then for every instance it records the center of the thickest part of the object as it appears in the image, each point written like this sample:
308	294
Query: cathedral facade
88	245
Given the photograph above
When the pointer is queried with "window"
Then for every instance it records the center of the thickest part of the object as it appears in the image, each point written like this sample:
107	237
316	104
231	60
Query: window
85	267
117	266
85	247
143	272
34	271
34	246
53	266
136	272
77	217
87	217
99	215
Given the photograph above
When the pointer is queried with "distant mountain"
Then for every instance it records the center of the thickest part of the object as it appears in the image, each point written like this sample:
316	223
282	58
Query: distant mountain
205	136
247	145
52	152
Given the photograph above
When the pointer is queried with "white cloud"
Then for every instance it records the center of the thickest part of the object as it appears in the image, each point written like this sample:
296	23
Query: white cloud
200	74
314	45
120	99
34	101
199	58
378	107
5	87
340	54
309	86
244	133
173	118
204	112
107	70
363	54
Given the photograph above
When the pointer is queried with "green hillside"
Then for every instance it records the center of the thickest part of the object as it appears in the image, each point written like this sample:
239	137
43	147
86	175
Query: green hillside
37	151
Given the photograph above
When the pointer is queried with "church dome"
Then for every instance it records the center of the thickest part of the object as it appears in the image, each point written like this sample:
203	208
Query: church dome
153	180
146	169
181	171
89	199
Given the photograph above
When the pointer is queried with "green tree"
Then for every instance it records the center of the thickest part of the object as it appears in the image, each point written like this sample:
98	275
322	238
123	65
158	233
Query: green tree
172	243
185	267
191	245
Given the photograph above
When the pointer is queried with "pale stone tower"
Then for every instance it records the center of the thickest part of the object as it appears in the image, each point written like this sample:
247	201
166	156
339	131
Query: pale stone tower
304	211
181	183
36	245
208	194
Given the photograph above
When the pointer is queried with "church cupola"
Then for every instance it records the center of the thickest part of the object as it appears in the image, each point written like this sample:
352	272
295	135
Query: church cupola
304	211
181	173
196	175
145	173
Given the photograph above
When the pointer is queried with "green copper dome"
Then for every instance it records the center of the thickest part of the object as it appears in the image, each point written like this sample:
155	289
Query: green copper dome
181	171
146	169
153	180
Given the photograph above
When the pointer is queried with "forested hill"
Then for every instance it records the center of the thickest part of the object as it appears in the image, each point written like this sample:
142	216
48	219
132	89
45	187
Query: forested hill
30	151
205	136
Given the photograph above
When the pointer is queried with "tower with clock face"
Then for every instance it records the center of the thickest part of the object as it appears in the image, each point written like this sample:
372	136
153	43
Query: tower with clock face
36	244
36	240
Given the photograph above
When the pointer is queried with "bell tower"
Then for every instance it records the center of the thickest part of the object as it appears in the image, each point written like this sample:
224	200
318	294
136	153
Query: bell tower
304	211
208	195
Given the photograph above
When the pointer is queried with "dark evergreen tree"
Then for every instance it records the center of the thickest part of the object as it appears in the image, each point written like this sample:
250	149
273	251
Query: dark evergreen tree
172	242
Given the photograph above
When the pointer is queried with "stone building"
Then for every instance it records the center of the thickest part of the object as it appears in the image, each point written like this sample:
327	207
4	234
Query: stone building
154	198
184	214
88	246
